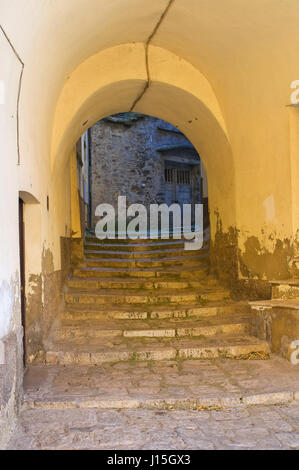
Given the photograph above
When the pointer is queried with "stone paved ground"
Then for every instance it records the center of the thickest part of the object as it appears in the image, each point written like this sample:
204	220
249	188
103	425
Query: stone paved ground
252	427
161	405
150	384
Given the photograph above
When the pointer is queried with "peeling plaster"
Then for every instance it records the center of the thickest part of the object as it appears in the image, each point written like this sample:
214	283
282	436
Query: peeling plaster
258	261
11	364
247	264
45	300
223	251
10	312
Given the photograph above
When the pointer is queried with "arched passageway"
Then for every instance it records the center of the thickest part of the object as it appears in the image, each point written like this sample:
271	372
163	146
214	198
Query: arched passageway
145	160
220	72
189	105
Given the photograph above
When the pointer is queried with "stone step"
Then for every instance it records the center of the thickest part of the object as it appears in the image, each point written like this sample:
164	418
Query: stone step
112	296
152	328
167	245
285	289
164	385
136	312
101	350
196	261
291	304
140	283
167	273
138	241
205	401
156	255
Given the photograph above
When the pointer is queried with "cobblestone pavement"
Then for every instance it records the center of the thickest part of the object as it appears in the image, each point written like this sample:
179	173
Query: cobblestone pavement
161	405
181	384
252	427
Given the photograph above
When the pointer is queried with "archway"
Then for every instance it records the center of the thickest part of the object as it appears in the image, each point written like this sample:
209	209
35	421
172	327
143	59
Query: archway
184	99
144	160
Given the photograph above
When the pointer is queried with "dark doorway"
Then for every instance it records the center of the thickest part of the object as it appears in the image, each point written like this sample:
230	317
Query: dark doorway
22	272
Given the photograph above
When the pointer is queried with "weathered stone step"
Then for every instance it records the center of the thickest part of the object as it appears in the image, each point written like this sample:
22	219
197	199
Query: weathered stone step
100	350
138	241
160	385
140	283
112	296
168	273
131	247
152	329
292	304
136	312
204	401
143	255
196	261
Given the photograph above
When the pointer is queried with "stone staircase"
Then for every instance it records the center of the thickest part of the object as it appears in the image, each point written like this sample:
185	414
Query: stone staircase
148	300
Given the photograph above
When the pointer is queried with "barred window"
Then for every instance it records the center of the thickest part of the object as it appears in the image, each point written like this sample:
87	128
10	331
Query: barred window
172	175
169	175
183	177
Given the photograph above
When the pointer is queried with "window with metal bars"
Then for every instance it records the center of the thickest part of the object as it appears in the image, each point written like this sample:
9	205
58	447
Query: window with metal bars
173	175
183	177
169	175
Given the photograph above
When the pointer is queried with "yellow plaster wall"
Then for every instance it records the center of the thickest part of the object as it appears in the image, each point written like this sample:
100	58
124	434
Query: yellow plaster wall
178	93
228	64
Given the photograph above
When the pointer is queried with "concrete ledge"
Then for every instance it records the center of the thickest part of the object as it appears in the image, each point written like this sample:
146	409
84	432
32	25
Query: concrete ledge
288	282
277	322
273	303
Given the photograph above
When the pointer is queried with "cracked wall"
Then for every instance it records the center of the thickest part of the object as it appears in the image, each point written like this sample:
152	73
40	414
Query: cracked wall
198	73
251	234
146	54
11	366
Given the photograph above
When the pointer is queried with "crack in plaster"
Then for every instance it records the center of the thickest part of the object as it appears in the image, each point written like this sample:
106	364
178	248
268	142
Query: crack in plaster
147	44
19	89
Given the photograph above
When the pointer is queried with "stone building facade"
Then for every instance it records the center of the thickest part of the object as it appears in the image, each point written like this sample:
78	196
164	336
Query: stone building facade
143	158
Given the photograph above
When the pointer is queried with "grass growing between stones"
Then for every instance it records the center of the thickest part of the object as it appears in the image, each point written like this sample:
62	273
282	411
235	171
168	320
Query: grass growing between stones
254	355
209	408
202	301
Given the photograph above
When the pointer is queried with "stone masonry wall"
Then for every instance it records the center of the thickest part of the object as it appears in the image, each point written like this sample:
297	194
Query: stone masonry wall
126	160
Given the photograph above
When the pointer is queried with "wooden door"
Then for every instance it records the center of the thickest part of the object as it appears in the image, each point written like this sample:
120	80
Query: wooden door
22	272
